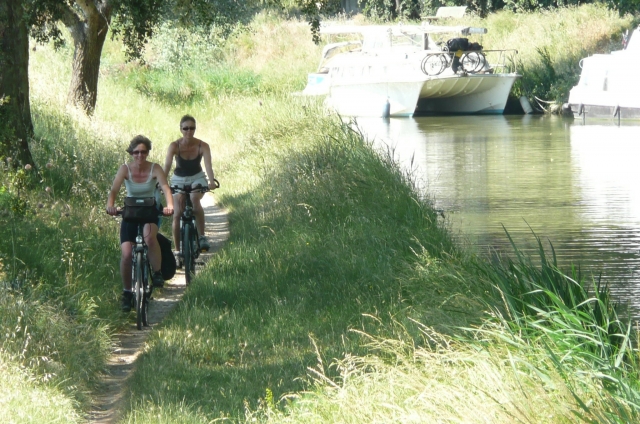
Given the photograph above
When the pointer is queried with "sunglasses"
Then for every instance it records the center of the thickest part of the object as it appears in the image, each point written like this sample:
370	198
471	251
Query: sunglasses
188	128
140	152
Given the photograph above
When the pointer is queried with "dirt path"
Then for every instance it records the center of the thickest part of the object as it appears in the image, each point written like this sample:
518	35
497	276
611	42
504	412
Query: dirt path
128	344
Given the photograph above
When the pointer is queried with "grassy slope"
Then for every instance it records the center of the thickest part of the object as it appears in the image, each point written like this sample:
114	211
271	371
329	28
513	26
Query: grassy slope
329	245
322	233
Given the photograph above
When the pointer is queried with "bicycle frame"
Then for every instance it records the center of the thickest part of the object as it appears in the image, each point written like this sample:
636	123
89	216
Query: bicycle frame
140	273
189	237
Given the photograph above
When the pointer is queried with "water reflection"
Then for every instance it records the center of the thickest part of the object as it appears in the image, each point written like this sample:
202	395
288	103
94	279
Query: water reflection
573	184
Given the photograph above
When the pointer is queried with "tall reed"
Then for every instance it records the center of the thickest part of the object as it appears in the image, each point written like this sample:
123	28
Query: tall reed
577	322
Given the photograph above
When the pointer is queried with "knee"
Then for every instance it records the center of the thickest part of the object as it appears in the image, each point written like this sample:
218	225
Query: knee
151	240
197	206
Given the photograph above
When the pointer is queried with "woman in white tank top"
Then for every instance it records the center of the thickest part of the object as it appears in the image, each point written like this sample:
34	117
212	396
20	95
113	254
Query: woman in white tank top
140	178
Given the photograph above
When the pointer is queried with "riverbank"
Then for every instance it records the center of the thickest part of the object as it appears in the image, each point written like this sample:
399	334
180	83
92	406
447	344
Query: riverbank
339	285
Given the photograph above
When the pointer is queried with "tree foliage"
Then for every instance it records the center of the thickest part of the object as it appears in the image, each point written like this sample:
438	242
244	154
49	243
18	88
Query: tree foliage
134	21
415	9
313	11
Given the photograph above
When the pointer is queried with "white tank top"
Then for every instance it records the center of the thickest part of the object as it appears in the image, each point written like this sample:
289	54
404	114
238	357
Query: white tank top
145	189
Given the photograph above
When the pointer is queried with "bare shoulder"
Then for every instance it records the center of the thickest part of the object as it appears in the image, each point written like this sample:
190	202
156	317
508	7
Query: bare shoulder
204	144
123	172
173	147
156	168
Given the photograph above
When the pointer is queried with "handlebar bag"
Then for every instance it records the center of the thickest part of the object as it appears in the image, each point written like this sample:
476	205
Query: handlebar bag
140	210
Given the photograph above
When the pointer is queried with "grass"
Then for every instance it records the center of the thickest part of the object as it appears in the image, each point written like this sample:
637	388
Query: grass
339	285
310	253
551	44
25	399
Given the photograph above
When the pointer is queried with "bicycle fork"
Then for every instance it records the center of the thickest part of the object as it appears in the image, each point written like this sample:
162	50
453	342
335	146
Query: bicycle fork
146	268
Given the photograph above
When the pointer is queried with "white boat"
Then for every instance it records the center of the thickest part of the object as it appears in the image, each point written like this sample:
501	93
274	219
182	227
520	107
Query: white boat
403	69
608	85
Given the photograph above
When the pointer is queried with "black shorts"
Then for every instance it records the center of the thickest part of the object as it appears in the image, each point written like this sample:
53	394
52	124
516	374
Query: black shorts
129	231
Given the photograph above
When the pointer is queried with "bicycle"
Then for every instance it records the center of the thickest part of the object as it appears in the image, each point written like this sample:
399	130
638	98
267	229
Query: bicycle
189	238
470	62
140	275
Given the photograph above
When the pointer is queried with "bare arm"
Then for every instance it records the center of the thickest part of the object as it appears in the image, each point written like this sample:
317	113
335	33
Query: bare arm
168	161
161	178
206	153
115	188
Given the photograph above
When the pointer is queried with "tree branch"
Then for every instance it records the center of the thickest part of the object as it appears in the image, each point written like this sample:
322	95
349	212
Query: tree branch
68	16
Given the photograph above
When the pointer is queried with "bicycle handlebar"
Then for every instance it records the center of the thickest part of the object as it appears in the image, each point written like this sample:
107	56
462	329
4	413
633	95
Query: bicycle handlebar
120	212
187	189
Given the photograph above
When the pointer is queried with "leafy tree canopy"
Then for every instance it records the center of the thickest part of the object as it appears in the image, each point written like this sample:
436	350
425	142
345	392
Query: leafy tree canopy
133	20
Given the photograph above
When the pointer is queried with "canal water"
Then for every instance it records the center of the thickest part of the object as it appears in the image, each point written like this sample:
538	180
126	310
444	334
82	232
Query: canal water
572	184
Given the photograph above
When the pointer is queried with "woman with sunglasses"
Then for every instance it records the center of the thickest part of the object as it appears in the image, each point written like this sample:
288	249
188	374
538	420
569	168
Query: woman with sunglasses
140	178
189	153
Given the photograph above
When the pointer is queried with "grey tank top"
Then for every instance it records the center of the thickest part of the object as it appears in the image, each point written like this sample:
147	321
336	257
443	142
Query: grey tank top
145	189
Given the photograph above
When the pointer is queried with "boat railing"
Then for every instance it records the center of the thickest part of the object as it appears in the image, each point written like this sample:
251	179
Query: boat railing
502	61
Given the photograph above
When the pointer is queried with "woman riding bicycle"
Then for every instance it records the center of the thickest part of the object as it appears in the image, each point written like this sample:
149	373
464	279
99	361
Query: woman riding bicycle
140	178
189	152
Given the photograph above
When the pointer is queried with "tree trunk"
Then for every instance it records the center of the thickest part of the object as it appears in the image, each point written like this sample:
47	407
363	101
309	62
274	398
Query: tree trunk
15	111
89	36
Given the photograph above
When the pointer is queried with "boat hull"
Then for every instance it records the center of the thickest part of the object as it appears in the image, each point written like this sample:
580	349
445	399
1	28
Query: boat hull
471	94
608	86
371	98
603	111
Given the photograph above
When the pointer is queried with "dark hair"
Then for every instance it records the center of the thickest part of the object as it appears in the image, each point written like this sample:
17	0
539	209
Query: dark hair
137	140
187	118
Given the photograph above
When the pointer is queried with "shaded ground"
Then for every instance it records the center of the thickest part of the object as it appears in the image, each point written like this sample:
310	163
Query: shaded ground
128	344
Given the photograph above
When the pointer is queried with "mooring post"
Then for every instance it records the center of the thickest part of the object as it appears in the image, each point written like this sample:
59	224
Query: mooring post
616	112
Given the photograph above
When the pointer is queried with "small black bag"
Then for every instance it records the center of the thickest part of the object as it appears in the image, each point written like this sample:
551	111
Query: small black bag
168	265
140	210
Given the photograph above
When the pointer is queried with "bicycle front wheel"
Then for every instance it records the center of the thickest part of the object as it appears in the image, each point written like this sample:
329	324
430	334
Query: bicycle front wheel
146	294
473	62
138	289
434	64
188	253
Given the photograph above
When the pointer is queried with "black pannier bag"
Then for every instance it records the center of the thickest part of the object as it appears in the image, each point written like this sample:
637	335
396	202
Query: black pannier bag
168	266
456	44
140	210
474	47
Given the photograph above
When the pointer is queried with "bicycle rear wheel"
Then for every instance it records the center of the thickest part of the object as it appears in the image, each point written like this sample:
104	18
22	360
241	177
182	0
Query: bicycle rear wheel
138	289
188	253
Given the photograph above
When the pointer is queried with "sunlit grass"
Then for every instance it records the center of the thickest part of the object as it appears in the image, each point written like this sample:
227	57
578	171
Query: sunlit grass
23	399
453	381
